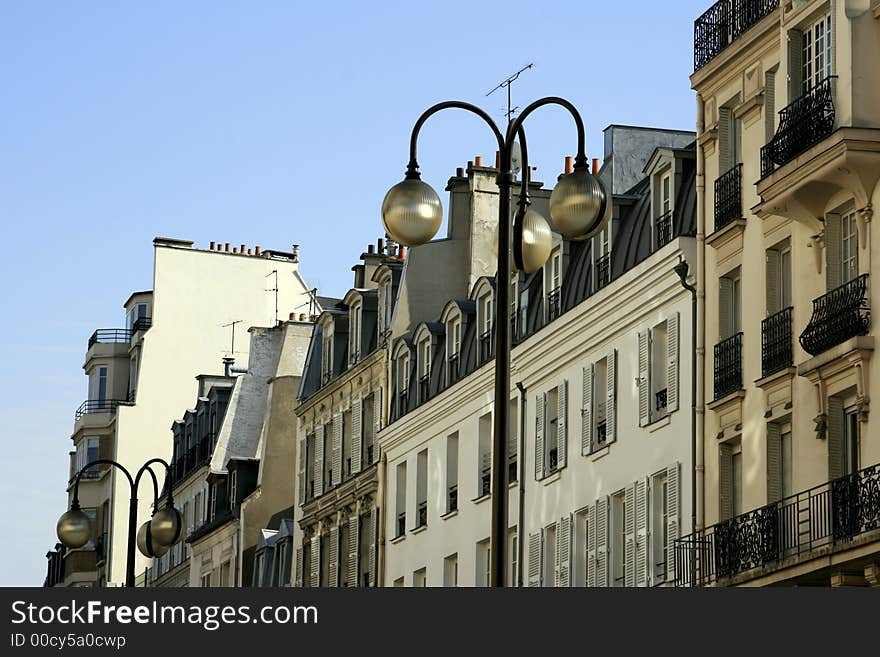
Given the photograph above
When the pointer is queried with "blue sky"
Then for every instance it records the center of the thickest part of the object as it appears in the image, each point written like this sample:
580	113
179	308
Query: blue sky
266	123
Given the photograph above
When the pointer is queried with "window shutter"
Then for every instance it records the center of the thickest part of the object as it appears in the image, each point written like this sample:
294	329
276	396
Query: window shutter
725	152
774	463
303	461
337	449
563	552
333	565
562	421
769	105
377	422
315	563
357	435
672	518
587	411
836	420
795	64
535	559
833	247
672	350
611	397
641	522
300	567
591	546
319	460
629	531
725	481
380	315
725	304
644	385
602	542
539	436
774	294
354	545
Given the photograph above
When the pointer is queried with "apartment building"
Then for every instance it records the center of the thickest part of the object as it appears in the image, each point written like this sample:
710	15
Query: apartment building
788	161
601	426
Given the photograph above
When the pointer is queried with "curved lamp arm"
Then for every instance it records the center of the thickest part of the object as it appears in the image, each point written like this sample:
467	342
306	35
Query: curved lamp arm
168	481
75	503
580	160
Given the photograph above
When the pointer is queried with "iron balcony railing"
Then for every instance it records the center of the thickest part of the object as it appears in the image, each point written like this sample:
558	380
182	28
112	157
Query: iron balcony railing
90	406
728	197
725	22
839	315
776	343
803	123
554	306
141	324
486	346
603	271
422	514
728	366
110	336
663	229
828	515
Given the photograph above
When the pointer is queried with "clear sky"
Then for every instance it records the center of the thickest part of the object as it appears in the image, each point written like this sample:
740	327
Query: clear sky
266	123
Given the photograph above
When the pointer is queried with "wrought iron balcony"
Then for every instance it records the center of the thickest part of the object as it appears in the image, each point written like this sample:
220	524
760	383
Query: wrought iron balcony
663	229
603	271
805	122
97	406
553	304
141	324
486	349
728	366
728	197
839	315
776	347
725	22
830	514
110	336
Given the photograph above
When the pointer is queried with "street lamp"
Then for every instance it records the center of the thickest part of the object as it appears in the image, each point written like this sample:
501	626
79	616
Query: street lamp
154	538
579	208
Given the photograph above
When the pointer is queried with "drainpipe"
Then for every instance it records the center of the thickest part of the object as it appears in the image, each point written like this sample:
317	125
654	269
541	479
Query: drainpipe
699	464
521	521
682	270
380	495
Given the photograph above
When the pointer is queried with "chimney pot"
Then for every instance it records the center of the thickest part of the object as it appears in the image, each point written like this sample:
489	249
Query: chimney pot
227	247
250	252
371	249
302	317
401	253
478	161
569	166
292	317
470	165
212	246
257	250
241	250
595	166
381	245
296	252
235	249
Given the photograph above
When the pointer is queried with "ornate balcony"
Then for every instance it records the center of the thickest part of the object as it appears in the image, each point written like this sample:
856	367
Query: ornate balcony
828	515
728	366
839	315
603	271
663	229
728	197
804	123
776	343
725	22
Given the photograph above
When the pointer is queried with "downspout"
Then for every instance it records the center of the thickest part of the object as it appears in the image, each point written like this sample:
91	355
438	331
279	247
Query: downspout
380	560
521	520
699	464
682	270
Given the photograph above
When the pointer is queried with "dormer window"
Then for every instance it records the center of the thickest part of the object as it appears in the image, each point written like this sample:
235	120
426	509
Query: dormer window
424	369
385	309
354	334
554	285
485	323
602	245
327	354
663	209
402	382
453	349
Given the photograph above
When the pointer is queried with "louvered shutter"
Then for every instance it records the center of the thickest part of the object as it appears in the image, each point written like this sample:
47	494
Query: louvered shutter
587	411
535	560
562	425
725	307
300	567
377	422
303	463
354	552
591	546
611	397
644	382
319	460
774	294
769	105
641	522
835	429
315	562
725	481
357	435
333	565
337	449
673	511
602	542
774	463
629	532
539	436
833	246
380	315
672	351
795	65
563	550
374	540
725	132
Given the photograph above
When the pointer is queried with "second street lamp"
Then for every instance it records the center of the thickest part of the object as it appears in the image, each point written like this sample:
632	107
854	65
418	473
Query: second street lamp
579	208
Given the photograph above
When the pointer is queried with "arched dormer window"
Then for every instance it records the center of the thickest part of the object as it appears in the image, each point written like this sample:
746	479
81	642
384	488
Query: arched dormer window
401	378
452	321
326	350
483	294
355	315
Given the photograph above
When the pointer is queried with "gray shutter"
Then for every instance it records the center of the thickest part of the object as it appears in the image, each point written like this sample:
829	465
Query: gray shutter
725	305
673	512
377	422
795	64
774	294
833	246
303	476
374	540
644	384
535	559
725	132
337	449
333	565
725	481
354	552
315	563
602	541
629	532
587	411
611	397
641	522
319	460
672	350
563	552
774	463
357	434
539	436
835	429
591	546
769	105
561	424
300	567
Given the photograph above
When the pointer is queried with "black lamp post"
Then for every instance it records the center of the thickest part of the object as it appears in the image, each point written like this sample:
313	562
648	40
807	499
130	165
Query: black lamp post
579	208
155	536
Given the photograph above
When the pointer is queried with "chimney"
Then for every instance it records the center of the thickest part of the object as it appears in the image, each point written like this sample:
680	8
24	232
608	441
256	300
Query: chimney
595	166
470	165
459	172
228	361
256	250
292	317
371	249
478	161
569	167
235	249
380	246
241	250
302	317
296	252
227	247
401	253
250	252
212	246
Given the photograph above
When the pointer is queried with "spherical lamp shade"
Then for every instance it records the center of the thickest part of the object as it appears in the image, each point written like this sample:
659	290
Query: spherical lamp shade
74	528
412	212
147	546
578	205
165	527
537	241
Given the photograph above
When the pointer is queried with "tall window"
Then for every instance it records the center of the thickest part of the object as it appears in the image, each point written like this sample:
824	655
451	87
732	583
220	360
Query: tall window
665	193
422	489
778	260
402	382
486	314
327	354
513	560
551	438
483	564
98	384
787	479
384	310
851	442
618	539
548	574
450	570
817	56
354	334
368	427
401	500
730	487
424	369
484	474
729	304
659	527
452	473
849	247
453	337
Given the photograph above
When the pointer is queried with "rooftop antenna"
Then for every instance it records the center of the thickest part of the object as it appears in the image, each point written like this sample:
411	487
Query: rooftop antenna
275	290
506	85
232	324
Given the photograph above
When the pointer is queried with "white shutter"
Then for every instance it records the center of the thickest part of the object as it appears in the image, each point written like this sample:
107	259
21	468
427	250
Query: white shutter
303	477
315	563
774	463
641	522
836	419
333	565
769	105
602	541
300	567
377	421
357	435
319	460
644	384
672	363
774	294
587	411
374	539
725	306
354	553
337	449
539	436
629	533
611	397
673	511
591	546
833	247
725	152
535	559
725	481
795	64
561	422
563	552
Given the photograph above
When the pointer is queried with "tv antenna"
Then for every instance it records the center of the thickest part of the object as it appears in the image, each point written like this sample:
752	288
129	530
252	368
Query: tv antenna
506	85
275	290
232	324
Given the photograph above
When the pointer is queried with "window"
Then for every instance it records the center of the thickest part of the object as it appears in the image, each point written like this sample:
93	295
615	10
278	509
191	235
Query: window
422	489
420	578
450	570
401	499
665	193
598	405
327	459
225	569
327	354
659	527
851	442
618	539
551	447
484	456
483	564
402	382
354	334
730	479
512	441
581	547
453	348
309	464
729	305
233	492
452	473
513	559
553	285
424	351
550	432
548	567
98	385
787	462
88	450
368	428
737	483
849	248
198	518
346	444
816	53
386	306
486	314
136	312
206	580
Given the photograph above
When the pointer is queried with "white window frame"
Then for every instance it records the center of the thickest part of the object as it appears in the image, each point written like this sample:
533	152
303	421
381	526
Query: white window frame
817	57
327	353
354	332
